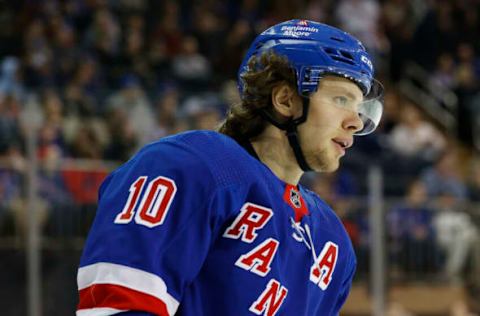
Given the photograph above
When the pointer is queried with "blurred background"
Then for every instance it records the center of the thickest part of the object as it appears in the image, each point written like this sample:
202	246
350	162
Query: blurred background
84	84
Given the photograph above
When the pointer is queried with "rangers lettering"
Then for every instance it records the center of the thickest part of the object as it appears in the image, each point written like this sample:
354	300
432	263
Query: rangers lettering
259	259
270	300
322	270
252	217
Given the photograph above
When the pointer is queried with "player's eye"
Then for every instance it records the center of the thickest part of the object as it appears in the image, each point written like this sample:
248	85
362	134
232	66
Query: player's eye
341	101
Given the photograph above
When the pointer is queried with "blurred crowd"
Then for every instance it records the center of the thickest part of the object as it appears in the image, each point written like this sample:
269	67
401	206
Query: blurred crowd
100	78
97	79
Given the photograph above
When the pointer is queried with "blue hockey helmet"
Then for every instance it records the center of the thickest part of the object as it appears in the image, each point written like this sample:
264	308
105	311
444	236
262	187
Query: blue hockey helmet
315	50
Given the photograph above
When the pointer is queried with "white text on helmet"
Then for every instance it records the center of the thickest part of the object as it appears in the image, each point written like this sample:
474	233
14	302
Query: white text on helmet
299	28
367	61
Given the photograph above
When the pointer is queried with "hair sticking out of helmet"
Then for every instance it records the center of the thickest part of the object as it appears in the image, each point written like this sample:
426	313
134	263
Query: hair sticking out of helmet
315	50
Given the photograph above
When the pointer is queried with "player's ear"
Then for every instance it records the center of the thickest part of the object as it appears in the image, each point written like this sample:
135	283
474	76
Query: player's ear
285	100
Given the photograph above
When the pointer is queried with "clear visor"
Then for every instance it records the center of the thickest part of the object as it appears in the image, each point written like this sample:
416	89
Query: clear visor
371	108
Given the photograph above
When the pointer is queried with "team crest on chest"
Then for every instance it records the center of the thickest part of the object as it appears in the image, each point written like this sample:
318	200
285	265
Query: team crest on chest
293	198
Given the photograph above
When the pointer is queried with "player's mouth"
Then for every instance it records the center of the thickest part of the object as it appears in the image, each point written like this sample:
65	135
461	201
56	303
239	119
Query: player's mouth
342	144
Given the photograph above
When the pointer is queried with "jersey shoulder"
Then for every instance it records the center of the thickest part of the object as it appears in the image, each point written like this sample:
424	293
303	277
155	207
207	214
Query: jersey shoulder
207	157
226	162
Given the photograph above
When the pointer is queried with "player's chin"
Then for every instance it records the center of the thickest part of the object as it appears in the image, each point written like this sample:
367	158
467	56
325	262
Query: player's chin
329	164
331	167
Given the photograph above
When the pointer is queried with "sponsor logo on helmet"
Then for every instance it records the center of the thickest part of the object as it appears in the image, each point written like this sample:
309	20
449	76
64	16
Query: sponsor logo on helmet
367	61
298	30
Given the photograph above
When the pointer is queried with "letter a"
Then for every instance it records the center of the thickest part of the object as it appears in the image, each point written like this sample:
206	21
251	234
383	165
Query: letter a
322	270
259	259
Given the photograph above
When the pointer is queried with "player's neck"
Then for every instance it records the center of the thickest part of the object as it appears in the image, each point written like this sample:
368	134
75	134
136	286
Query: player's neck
273	149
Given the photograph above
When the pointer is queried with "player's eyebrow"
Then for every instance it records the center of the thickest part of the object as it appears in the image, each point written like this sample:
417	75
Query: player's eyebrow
346	92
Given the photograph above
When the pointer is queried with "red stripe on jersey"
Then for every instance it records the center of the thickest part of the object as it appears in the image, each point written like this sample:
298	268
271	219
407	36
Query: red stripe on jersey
120	297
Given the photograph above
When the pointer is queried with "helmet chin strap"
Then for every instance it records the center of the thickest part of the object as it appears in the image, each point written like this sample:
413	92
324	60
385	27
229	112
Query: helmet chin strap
290	128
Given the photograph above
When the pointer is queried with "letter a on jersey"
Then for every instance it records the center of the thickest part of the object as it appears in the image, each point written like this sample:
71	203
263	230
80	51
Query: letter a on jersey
270	300
322	270
252	217
259	259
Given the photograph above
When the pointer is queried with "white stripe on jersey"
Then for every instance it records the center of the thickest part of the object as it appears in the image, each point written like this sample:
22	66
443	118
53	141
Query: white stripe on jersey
135	279
101	311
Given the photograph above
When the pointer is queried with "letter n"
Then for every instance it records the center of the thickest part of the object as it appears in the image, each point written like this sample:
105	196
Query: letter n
270	300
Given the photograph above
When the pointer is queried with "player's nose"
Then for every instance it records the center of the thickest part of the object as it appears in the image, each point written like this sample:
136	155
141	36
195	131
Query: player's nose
353	122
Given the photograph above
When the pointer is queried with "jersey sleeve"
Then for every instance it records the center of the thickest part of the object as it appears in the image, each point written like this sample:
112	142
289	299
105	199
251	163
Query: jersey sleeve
156	219
346	284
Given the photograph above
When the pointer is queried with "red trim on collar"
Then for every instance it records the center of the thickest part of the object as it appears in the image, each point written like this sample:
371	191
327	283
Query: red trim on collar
293	198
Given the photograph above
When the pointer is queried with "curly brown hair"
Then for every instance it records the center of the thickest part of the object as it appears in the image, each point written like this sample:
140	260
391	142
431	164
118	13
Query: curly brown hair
244	120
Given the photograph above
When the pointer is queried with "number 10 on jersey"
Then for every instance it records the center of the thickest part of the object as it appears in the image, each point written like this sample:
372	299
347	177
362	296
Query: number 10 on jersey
154	202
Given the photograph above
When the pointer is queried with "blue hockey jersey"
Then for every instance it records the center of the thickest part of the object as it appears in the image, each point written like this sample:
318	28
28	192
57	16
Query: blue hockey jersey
194	224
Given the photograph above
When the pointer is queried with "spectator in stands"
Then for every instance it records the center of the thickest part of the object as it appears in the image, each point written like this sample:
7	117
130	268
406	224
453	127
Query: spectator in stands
65	51
52	193
457	236
133	57
415	137
168	120
51	129
201	111
87	84
104	35
10	131
134	102
168	29
10	79
444	73
87	143
39	71
10	184
411	233
444	176
190	68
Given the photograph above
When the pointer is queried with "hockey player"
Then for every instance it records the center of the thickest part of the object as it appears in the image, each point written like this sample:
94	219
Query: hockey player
215	223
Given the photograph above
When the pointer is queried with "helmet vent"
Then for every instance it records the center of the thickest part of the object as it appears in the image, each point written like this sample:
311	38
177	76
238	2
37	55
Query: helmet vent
342	59
340	55
337	39
330	51
346	54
